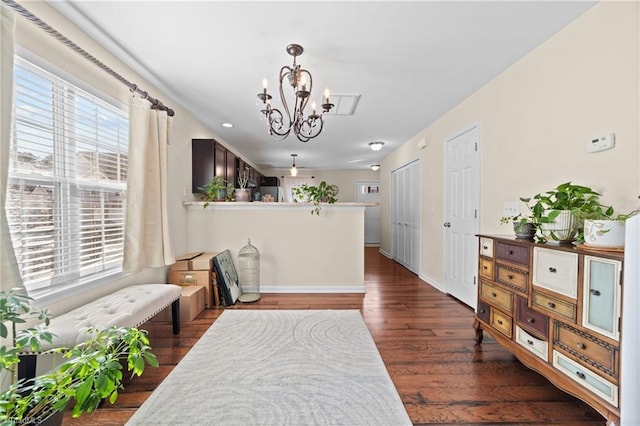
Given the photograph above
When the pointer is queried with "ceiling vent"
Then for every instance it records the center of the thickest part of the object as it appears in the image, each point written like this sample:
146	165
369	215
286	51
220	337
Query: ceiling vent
345	103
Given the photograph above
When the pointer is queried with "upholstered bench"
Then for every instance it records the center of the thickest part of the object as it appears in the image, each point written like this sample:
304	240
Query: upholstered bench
128	307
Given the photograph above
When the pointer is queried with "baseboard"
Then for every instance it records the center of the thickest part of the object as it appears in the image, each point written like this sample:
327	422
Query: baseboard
385	254
312	289
432	282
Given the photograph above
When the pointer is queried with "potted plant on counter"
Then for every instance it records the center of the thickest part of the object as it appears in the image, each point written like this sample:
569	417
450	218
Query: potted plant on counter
91	372
214	190
524	227
243	193
323	193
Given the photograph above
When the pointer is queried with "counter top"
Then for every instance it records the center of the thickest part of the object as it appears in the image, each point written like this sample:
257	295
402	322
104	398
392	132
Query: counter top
268	205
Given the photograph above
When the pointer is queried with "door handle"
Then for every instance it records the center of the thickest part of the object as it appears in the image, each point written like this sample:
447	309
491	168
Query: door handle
447	224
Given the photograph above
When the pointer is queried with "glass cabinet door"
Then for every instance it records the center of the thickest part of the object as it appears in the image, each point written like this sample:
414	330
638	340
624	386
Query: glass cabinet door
601	296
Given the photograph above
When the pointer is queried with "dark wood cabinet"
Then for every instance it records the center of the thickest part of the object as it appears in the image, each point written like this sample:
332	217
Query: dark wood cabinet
210	158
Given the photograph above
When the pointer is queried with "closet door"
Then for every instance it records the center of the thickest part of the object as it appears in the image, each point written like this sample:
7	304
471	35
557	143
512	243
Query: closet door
405	199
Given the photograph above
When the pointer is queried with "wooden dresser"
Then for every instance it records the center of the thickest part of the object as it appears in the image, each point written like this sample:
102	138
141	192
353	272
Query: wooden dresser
557	308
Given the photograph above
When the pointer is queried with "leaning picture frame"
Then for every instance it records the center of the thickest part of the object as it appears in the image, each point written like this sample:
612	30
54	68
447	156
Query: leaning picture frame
227	277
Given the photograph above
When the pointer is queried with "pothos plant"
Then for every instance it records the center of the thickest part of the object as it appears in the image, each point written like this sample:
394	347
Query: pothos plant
91	372
323	193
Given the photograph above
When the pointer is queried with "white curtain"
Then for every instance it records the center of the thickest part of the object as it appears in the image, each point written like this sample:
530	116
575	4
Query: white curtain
290	182
147	242
9	274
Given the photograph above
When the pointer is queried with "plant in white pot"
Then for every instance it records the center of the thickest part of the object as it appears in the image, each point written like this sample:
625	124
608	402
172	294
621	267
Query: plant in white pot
243	193
558	210
92	371
603	228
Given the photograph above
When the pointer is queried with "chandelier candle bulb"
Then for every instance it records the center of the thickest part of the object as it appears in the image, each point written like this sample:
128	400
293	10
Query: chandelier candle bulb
264	84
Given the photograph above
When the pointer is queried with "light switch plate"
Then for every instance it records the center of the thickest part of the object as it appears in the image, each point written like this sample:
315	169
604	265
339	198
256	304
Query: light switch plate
601	143
511	208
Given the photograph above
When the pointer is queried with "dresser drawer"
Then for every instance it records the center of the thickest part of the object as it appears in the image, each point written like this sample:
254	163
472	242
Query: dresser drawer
556	271
483	311
512	278
587	348
501	322
486	247
496	296
486	268
539	348
530	319
512	253
596	384
554	305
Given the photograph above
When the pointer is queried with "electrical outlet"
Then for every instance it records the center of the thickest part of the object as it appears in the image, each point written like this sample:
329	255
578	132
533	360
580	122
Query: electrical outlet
511	208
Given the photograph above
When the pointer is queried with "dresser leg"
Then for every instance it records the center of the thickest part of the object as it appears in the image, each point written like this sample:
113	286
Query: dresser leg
478	328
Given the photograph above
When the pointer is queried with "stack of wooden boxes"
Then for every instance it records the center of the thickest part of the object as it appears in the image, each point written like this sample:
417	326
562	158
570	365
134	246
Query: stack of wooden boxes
194	272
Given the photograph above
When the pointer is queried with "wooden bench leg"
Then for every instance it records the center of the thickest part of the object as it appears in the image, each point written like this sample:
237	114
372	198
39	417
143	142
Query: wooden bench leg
175	316
27	367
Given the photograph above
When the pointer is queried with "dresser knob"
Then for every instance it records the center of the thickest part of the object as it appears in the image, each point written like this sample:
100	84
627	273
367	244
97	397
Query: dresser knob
509	251
530	342
494	295
580	374
510	277
551	305
581	345
595	292
485	267
530	320
552	270
482	311
499	322
485	248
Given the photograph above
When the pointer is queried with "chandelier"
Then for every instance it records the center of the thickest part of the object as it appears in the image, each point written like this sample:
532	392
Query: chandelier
293	119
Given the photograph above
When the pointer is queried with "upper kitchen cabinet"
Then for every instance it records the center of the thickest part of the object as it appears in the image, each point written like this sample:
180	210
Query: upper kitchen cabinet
208	159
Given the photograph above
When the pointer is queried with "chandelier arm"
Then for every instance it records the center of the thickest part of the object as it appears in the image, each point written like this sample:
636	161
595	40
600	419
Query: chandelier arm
285	72
276	124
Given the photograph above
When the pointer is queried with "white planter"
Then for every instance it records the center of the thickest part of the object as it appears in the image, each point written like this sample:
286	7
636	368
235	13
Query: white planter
604	233
562	230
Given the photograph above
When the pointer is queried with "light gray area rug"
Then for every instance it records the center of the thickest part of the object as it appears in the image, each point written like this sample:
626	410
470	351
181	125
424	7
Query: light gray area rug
278	367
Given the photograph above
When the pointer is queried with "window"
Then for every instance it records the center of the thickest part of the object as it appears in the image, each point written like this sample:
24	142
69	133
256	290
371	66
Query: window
67	181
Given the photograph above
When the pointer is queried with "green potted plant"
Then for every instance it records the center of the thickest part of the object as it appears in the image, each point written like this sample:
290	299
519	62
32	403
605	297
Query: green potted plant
91	372
603	228
524	227
323	193
558	210
214	190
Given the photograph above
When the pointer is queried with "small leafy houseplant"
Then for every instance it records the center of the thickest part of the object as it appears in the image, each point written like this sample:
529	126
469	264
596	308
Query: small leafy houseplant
323	193
214	190
524	227
559	210
91	372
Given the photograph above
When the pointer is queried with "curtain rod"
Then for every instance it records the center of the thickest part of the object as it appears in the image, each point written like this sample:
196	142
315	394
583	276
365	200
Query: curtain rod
156	103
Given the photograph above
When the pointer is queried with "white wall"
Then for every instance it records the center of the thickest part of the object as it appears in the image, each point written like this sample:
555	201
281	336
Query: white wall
345	179
535	119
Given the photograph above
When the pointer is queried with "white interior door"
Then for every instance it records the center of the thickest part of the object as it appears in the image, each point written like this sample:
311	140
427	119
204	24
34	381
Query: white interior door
462	204
405	208
369	192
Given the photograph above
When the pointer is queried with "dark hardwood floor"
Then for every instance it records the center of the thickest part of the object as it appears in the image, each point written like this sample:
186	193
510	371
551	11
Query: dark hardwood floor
426	340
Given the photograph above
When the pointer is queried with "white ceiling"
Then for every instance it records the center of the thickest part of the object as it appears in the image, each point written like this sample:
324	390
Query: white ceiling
410	61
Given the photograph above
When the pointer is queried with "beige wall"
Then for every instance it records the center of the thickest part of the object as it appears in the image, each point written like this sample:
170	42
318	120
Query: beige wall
345	179
535	119
299	252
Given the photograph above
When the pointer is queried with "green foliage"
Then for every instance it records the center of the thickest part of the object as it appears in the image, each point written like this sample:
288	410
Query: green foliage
323	193
91	372
214	190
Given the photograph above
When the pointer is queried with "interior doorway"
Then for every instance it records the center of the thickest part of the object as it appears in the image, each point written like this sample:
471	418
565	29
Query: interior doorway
462	222
369	192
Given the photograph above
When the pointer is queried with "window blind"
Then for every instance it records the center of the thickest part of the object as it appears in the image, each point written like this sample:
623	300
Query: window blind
67	181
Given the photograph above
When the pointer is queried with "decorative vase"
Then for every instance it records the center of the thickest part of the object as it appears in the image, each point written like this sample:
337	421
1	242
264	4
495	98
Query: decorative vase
562	230
604	233
525	230
242	194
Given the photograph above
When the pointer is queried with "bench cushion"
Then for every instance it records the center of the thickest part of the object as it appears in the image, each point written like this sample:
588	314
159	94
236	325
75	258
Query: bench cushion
128	307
